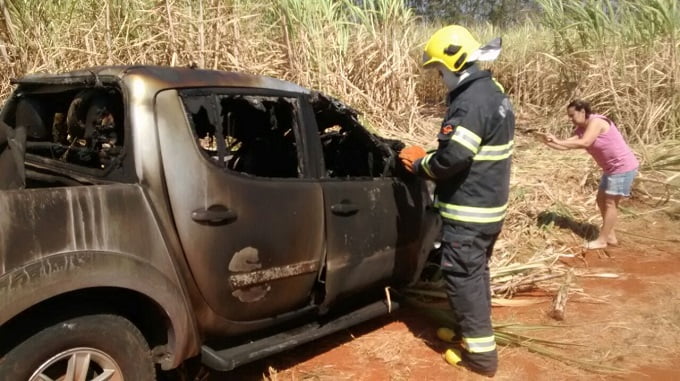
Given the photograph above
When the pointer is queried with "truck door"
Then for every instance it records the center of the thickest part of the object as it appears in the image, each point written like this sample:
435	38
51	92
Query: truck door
376	221
362	221
250	221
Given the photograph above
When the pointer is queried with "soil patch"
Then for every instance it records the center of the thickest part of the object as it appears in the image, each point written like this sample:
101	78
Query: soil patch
631	322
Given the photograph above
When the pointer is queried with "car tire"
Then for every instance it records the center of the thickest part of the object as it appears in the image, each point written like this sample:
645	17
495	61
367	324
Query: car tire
102	343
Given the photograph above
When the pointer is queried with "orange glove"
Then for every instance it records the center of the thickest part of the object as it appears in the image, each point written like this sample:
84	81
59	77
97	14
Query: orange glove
409	155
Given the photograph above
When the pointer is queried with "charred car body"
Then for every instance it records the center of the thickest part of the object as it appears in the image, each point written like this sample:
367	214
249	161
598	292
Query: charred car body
151	214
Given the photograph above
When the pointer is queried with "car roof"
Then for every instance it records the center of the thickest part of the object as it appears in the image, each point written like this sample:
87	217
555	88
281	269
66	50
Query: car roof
163	77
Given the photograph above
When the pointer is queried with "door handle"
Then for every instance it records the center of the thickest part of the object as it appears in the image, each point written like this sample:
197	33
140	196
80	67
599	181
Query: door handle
214	215
344	208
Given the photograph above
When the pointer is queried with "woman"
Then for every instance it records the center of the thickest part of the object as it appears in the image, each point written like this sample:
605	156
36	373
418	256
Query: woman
602	140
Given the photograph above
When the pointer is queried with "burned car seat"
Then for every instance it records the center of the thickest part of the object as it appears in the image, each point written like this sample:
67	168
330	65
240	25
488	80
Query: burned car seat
32	115
94	126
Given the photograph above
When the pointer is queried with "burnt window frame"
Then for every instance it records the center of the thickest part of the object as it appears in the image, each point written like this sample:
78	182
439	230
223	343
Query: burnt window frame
315	135
38	166
301	140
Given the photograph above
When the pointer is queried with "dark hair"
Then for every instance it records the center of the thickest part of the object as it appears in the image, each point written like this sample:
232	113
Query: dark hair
580	105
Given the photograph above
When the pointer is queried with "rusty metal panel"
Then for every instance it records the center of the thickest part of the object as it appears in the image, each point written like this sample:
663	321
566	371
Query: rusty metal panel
252	278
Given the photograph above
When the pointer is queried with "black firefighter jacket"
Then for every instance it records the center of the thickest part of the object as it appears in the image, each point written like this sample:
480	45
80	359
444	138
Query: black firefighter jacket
471	166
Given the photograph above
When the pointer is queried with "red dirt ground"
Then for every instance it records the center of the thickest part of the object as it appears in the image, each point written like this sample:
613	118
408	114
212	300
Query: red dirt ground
635	327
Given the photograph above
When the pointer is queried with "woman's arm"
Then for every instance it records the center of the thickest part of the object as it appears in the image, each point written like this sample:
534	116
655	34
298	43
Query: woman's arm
591	133
556	146
549	140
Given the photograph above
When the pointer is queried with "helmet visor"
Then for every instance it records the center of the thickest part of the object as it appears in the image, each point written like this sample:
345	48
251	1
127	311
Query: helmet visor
428	60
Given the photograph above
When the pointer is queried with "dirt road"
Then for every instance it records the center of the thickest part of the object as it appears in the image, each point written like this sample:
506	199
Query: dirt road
631	322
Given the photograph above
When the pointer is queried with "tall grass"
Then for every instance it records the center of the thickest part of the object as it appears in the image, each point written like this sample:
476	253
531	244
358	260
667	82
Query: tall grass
624	59
357	53
361	54
625	22
622	56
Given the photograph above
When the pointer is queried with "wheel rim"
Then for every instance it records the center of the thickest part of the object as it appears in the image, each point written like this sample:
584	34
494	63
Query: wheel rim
79	364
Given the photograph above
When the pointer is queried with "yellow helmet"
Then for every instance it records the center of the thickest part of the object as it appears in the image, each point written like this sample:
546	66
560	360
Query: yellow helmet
450	46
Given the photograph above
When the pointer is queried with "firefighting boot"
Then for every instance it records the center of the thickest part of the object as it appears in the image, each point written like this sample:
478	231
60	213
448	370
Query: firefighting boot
454	357
448	335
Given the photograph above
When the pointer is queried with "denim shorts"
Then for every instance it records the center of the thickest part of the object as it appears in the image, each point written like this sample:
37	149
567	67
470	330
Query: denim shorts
618	184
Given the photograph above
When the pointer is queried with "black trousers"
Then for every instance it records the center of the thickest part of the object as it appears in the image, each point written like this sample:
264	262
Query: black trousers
465	265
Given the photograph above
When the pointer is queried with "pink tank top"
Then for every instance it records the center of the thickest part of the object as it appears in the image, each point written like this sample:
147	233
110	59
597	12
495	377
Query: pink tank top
609	150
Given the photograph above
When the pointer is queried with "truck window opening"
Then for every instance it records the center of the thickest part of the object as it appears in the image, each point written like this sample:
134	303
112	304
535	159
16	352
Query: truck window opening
248	134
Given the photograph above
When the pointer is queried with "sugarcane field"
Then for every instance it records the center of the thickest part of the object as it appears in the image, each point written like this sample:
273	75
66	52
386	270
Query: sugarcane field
164	243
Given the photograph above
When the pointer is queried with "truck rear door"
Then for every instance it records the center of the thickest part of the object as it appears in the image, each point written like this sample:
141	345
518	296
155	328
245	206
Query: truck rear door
250	222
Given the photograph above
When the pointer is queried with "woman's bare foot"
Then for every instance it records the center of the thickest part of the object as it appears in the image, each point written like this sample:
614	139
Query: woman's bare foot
596	244
611	239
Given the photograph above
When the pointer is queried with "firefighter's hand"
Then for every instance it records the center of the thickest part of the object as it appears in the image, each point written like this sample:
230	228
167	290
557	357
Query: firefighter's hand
410	155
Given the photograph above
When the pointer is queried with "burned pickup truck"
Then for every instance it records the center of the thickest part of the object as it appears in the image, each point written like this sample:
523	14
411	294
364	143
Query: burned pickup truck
149	215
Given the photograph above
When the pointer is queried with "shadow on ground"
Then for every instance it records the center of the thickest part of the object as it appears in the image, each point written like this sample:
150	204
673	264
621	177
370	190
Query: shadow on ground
584	230
267	368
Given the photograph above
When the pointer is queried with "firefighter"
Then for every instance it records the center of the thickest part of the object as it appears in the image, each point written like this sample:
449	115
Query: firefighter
471	169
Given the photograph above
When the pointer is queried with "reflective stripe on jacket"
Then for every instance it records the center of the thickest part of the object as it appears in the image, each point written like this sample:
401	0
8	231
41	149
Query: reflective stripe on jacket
472	163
